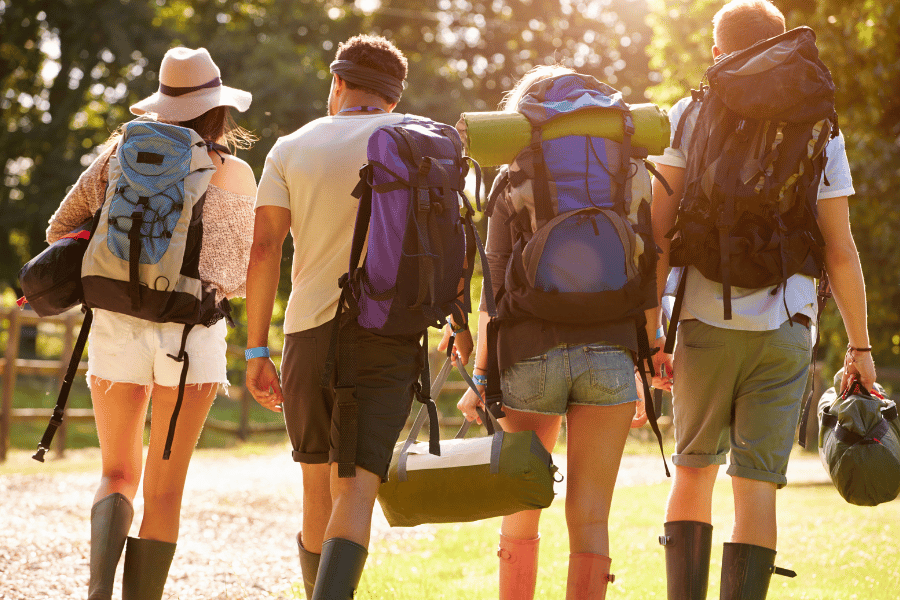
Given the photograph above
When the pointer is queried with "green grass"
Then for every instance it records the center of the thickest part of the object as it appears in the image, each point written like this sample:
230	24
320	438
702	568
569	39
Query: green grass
840	551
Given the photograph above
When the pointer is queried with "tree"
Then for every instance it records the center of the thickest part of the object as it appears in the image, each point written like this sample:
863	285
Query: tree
860	43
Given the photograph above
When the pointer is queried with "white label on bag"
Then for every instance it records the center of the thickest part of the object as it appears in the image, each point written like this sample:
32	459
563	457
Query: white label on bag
454	453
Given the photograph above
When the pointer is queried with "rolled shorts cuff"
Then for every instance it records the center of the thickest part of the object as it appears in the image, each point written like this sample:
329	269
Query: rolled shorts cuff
309	458
698	461
747	473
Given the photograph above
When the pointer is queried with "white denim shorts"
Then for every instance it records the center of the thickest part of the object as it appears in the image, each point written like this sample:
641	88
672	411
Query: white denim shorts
126	349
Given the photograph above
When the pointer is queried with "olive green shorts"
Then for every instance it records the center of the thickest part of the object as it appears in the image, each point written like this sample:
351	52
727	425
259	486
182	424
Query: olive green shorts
740	390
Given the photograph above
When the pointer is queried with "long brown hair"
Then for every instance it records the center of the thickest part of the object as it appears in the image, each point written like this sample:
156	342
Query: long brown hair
215	125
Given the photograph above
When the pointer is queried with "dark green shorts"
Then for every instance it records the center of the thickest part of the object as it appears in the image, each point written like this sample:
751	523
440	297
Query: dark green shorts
740	390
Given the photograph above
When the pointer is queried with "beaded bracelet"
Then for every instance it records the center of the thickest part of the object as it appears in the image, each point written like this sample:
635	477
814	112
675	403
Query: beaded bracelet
463	327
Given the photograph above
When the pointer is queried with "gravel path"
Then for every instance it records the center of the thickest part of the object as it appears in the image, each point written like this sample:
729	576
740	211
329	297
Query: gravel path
238	524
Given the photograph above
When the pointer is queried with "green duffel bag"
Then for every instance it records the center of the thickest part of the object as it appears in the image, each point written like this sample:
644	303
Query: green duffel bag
859	443
473	478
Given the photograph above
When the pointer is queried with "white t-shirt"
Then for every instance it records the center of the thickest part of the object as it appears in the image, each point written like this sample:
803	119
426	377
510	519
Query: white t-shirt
312	173
752	309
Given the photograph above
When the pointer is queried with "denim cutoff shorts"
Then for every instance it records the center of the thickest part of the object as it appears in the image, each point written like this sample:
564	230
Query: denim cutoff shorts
585	374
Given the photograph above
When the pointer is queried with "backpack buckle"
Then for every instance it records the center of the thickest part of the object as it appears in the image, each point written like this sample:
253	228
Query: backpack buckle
423	199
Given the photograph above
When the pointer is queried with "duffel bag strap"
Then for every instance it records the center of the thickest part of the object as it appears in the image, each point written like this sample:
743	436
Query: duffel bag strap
59	410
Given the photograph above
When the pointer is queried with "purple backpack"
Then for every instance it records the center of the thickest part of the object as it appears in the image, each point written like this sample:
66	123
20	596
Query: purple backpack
416	226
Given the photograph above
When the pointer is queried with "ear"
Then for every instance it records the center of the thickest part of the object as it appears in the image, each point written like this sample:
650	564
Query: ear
716	53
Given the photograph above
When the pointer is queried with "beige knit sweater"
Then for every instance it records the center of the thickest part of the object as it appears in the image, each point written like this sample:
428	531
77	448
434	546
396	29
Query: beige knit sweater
227	226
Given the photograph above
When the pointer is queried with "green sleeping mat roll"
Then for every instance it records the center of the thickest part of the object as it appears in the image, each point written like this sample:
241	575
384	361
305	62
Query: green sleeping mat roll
494	138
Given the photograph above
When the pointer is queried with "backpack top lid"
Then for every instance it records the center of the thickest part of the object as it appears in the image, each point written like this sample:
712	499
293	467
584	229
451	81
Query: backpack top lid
780	78
153	156
550	98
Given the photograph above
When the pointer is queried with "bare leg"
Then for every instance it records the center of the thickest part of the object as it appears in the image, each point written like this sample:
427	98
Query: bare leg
524	525
754	512
164	479
317	504
691	496
596	438
353	499
120	410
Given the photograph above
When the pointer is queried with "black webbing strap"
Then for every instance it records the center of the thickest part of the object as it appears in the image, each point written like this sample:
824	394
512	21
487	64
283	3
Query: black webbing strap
676	312
345	398
851	437
659	177
824	292
542	208
645	368
182	358
696	99
425	394
134	253
493	394
59	410
783	572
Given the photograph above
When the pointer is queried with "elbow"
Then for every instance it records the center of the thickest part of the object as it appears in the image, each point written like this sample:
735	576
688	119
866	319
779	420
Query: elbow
264	250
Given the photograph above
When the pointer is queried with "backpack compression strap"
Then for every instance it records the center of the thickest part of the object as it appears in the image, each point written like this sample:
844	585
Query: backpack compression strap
542	209
182	357
824	293
59	410
134	252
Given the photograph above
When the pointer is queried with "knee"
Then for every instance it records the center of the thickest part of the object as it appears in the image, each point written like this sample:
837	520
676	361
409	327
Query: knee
122	479
162	500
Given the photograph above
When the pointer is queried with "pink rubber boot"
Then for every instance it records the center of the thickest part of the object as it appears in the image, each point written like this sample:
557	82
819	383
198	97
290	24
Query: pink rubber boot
588	576
518	567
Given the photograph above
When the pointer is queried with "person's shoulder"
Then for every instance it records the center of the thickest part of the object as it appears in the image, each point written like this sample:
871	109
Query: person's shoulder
678	109
235	175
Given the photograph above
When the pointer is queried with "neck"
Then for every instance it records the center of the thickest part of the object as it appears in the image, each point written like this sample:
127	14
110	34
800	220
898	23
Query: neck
354	98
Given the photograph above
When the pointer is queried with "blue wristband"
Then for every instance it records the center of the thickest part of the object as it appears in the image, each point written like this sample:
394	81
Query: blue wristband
258	352
660	332
462	328
479	379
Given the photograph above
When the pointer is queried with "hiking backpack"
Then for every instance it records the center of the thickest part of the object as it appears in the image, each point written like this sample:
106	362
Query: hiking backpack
584	250
143	254
755	160
415	223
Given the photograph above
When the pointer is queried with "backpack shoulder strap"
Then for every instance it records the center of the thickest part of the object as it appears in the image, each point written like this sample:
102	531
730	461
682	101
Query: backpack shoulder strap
543	210
59	410
696	100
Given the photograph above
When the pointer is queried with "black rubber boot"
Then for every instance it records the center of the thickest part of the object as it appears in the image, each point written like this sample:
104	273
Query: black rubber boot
309	566
110	521
688	547
747	570
147	565
340	568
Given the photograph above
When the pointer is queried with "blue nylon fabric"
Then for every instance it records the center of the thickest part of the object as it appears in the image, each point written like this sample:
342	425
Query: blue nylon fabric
549	98
576	259
163	184
580	181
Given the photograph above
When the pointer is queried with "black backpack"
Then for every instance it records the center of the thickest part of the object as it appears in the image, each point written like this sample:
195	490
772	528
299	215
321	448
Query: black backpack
755	160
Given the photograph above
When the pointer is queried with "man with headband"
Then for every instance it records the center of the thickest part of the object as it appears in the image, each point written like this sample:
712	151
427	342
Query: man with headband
306	188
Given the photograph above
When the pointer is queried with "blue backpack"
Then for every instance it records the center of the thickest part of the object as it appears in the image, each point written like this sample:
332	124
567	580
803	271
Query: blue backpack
584	250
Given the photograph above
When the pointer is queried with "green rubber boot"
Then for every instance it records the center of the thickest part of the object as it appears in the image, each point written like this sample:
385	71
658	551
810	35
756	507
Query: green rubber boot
747	570
110	520
147	565
340	569
309	566
688	547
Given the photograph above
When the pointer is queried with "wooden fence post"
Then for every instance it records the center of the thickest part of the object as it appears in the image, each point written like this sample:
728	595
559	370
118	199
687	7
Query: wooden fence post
9	378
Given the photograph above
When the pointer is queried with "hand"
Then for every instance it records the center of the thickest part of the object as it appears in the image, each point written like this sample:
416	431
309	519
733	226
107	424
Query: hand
640	409
663	365
469	402
462	344
262	381
858	365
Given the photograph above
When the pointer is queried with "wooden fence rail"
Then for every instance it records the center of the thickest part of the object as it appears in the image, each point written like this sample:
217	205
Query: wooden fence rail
11	366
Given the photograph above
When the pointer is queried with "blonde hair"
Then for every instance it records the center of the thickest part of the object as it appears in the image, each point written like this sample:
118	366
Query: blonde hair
512	97
742	23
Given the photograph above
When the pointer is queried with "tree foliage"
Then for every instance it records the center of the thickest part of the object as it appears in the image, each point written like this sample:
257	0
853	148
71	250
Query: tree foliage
860	43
